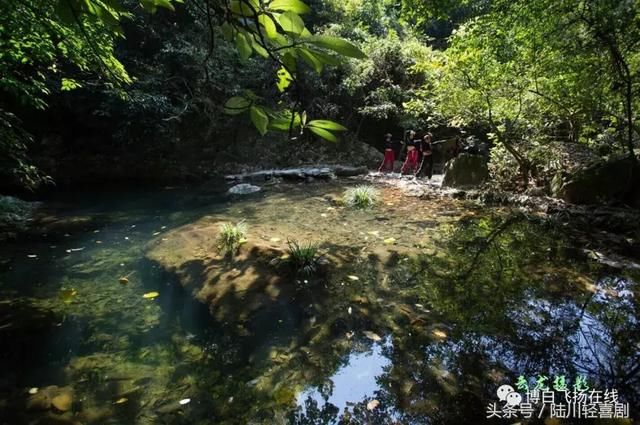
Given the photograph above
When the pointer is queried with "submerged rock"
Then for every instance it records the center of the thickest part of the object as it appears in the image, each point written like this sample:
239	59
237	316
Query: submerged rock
39	401
244	189
465	170
62	402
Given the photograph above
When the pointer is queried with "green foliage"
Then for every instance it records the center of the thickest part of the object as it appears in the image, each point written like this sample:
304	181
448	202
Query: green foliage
538	72
393	83
14	214
15	169
277	31
48	47
361	197
231	237
303	258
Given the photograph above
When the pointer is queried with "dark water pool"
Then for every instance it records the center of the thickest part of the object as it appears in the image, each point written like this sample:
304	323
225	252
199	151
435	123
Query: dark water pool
449	302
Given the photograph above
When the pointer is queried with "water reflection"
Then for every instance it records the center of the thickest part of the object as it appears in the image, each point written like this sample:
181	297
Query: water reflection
356	380
469	302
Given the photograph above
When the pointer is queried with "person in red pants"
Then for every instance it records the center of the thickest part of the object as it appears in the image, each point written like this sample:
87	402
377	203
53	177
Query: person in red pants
411	162
389	154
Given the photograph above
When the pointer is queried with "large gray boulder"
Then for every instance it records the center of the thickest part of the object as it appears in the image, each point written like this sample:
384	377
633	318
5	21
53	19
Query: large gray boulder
601	182
465	170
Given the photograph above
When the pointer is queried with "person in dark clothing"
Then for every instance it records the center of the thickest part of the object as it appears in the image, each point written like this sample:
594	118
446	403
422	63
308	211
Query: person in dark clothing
426	150
389	154
411	161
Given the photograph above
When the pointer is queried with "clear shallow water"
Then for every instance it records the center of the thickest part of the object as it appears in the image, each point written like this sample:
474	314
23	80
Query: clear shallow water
456	316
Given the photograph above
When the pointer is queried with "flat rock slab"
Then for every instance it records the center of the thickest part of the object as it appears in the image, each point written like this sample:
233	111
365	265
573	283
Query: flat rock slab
301	173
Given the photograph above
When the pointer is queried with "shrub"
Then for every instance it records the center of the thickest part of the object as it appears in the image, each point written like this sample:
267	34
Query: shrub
231	237
361	197
303	258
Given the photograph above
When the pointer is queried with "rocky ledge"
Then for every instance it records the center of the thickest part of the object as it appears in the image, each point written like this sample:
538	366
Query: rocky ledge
322	172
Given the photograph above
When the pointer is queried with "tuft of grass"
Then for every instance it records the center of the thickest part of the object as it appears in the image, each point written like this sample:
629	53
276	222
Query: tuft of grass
361	197
303	258
231	236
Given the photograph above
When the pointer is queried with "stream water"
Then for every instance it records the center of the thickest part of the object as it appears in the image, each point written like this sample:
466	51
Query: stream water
429	307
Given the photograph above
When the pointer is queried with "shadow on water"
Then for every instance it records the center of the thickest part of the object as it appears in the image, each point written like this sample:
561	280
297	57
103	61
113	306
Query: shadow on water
421	331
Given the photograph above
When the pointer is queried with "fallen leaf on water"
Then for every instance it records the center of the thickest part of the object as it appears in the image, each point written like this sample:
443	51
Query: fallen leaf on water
150	295
439	334
372	336
390	241
373	404
121	400
33	390
185	401
352	277
123	280
66	295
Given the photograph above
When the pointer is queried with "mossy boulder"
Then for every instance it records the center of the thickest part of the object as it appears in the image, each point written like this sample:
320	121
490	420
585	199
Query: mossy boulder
607	181
465	170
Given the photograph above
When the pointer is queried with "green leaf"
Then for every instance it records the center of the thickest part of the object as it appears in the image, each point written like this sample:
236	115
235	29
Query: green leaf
310	58
149	5
282	121
290	5
289	59
259	119
69	84
236	105
269	26
338	45
227	31
325	58
165	4
291	23
323	133
245	7
258	48
243	46
284	79
327	125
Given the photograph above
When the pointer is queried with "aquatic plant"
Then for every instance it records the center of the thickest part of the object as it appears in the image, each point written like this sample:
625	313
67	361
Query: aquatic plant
361	197
303	258
231	236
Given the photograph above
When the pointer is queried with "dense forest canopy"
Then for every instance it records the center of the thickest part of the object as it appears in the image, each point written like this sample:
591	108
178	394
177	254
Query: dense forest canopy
525	74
